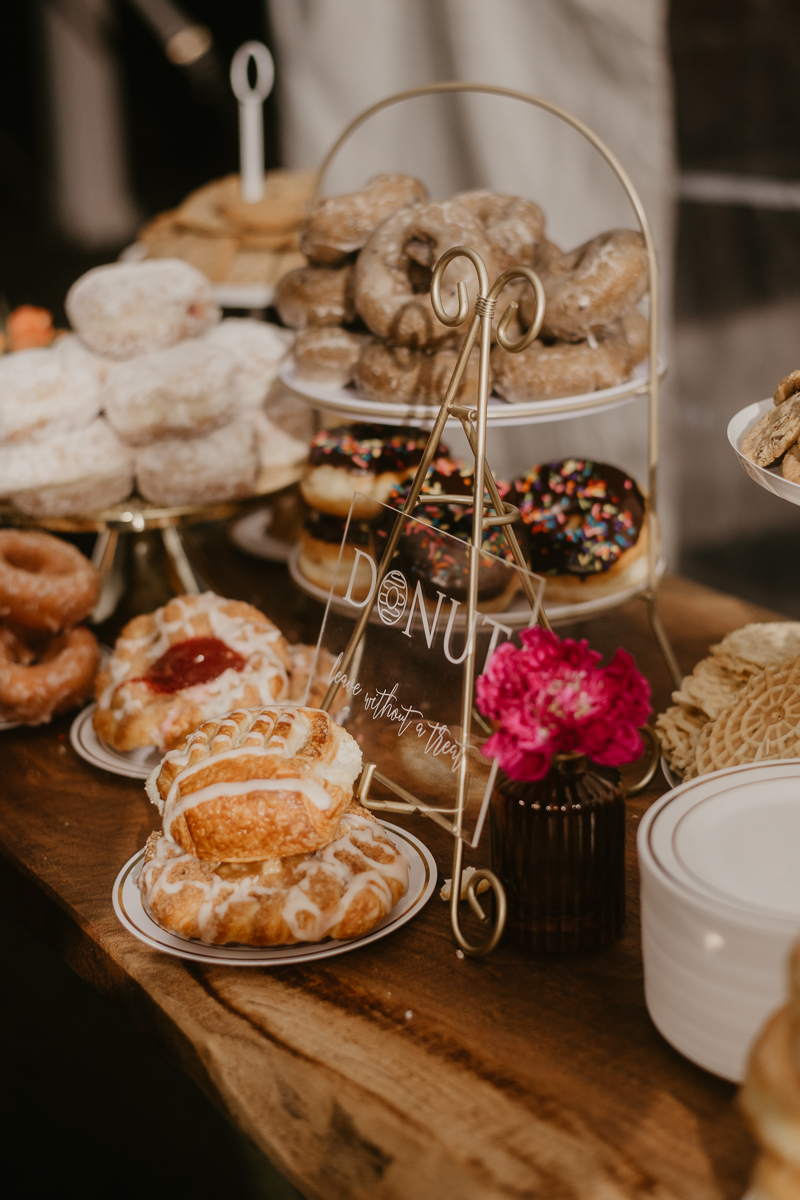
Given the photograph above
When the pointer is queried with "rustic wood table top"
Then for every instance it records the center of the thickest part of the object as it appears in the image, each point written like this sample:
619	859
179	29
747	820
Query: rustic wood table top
399	1069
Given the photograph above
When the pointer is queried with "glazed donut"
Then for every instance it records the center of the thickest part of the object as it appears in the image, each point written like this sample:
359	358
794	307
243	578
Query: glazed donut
592	285
342	224
41	678
221	466
123	309
328	563
315	296
548	370
45	583
582	527
258	349
257	783
400	375
194	659
370	459
327	354
342	890
49	391
393	271
182	391
515	227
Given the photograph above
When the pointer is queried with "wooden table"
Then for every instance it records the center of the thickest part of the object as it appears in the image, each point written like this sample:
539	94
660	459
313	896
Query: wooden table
400	1069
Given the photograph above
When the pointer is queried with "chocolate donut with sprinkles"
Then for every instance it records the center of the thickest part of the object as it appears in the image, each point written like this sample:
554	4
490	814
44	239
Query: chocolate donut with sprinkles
370	459
583	527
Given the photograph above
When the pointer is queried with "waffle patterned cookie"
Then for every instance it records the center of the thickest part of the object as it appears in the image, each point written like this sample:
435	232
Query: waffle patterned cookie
257	783
764	722
342	890
196	658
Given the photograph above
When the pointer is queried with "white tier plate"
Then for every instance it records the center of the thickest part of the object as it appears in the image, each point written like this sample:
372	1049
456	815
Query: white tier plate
720	908
132	764
769	478
128	906
251	534
348	402
669	775
518	616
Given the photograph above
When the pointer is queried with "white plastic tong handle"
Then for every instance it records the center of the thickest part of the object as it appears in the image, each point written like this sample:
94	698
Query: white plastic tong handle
251	114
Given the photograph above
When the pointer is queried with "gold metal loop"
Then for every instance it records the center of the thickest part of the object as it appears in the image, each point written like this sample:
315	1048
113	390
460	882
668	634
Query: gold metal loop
463	300
649	735
522	343
510	515
488	944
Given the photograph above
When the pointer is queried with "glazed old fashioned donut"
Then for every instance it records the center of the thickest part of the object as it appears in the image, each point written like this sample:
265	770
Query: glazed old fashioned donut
583	527
368	459
592	285
327	354
41	676
193	659
316	296
400	375
257	783
342	224
329	561
45	583
515	227
393	271
341	890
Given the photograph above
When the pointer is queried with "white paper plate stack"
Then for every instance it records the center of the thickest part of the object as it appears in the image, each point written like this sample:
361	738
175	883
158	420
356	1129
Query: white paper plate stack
720	871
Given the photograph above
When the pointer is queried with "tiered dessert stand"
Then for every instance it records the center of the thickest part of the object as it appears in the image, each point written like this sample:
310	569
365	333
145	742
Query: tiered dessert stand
475	422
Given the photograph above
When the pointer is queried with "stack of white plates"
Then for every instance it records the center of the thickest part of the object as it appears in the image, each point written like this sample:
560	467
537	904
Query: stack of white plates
720	869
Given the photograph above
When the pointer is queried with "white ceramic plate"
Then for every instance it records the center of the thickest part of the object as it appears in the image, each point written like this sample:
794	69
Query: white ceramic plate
669	775
129	908
251	534
769	478
350	403
720	908
133	764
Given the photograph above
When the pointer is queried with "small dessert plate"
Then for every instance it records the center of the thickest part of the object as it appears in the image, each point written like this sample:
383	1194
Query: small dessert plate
252	534
127	899
133	764
769	478
670	776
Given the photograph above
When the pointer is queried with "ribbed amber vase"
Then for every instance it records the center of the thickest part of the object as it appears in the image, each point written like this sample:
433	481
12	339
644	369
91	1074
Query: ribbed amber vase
558	845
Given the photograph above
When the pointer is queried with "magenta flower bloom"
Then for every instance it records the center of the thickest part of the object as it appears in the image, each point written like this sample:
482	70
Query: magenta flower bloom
551	696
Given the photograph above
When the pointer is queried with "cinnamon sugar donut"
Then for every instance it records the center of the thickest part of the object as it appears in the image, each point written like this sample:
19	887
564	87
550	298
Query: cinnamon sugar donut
341	890
398	374
327	354
122	309
194	659
393	271
45	583
40	677
515	227
315	296
592	285
342	224
223	465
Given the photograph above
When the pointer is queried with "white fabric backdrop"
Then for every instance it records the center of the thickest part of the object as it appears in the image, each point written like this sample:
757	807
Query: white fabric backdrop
603	60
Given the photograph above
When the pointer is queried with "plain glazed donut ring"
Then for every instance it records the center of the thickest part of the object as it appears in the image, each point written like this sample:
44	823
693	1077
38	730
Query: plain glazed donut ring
400	375
393	271
342	224
591	286
568	368
45	583
315	296
327	354
515	227
33	691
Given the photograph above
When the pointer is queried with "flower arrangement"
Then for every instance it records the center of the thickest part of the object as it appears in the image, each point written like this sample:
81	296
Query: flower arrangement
552	696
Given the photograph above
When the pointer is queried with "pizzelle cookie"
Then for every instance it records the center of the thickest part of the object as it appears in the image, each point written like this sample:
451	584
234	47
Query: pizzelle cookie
753	647
774	433
764	722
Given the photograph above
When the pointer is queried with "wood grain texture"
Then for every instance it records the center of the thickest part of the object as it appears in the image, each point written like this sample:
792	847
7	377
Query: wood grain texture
510	1077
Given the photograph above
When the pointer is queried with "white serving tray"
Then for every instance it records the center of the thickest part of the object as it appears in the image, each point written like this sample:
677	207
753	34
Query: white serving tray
769	478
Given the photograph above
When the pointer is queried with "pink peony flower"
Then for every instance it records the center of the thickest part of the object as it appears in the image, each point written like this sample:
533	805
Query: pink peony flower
551	696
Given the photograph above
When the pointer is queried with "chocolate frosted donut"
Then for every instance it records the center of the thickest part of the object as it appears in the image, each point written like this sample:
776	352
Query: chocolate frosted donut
515	227
315	296
400	375
342	224
583	527
393	271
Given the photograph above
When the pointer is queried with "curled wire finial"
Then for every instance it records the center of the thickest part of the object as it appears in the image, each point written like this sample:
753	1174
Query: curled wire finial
461	288
522	343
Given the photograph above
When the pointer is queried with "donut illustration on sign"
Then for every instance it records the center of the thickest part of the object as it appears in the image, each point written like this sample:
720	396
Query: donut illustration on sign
392	598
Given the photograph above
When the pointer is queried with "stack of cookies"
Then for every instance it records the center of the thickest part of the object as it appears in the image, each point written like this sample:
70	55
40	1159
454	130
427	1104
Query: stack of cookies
233	242
774	439
739	705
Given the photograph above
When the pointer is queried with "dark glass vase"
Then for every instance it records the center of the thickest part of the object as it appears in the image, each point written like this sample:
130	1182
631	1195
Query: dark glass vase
558	845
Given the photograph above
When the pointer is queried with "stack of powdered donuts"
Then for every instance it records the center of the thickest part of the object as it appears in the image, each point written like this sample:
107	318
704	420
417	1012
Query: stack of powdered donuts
364	313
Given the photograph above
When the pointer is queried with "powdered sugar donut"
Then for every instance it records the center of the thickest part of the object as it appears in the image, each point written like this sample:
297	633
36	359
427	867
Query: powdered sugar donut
201	470
315	296
70	473
258	349
183	391
342	224
123	309
327	354
515	227
393	271
48	391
